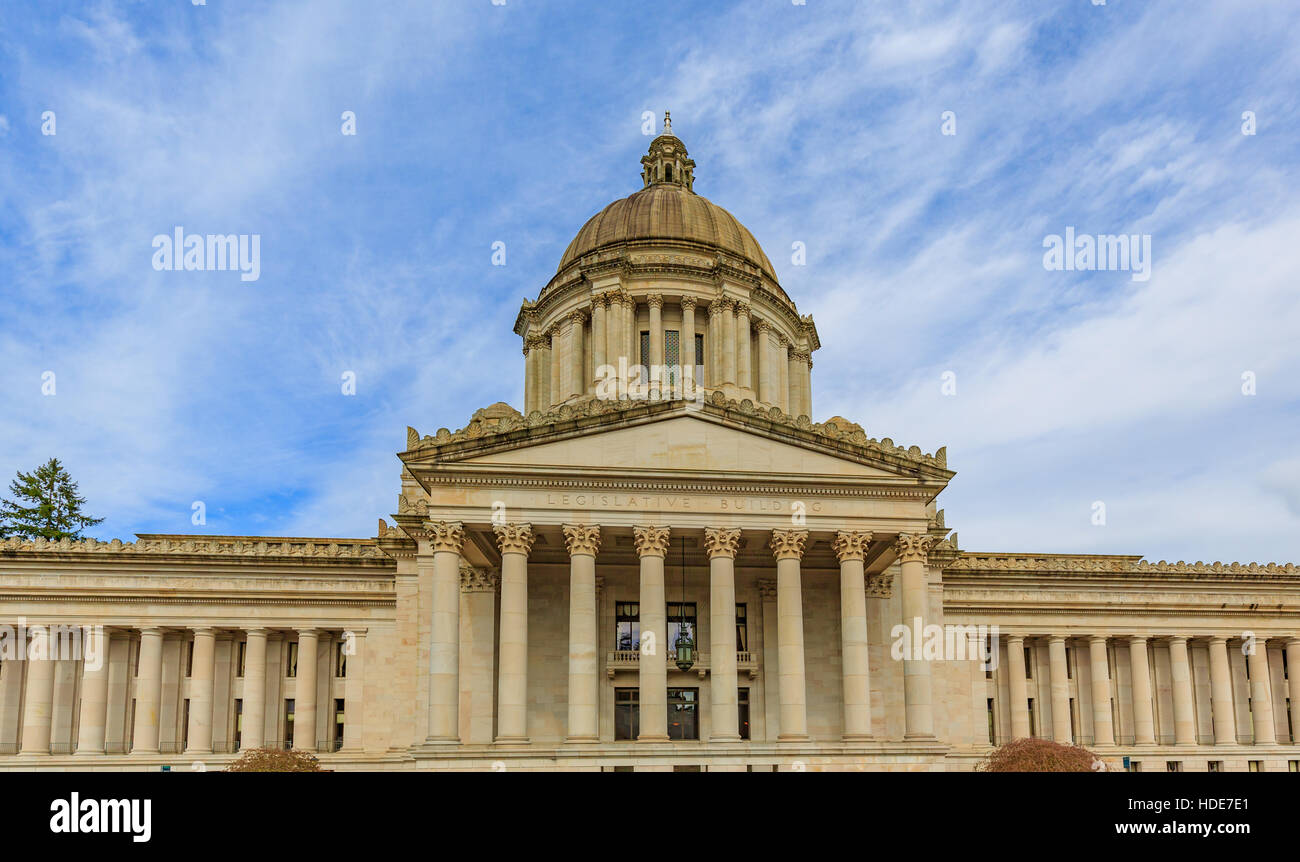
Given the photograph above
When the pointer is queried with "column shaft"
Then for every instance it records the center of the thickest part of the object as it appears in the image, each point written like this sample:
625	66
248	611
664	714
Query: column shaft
1222	709
38	701
584	683
1181	671
515	541
353	693
202	679
764	362
919	710
652	544
850	547
148	692
1103	726
689	371
598	323
1261	698
1019	693
1144	724
1060	683
254	729
556	385
722	546
304	694
783	376
446	540
1293	685
577	373
729	341
94	692
744	363
788	546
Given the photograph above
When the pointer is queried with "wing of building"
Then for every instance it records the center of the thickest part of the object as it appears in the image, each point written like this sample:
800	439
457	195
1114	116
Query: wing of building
662	562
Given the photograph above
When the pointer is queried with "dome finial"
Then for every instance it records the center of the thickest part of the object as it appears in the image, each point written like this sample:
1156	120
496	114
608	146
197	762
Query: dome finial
668	123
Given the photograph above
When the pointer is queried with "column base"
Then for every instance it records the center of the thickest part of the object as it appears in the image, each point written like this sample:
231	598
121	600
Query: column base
663	738
90	752
195	752
735	738
582	740
510	740
442	740
792	737
913	734
857	737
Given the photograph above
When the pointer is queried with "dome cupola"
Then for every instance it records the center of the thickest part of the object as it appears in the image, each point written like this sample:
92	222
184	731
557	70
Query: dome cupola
668	161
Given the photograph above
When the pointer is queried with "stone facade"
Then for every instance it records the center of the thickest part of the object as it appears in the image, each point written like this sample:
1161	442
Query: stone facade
521	610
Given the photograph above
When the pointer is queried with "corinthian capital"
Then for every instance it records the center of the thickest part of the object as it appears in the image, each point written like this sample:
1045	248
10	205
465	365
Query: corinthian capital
715	308
913	547
582	539
688	303
476	580
721	542
788	544
514	538
654	300
445	535
851	544
650	541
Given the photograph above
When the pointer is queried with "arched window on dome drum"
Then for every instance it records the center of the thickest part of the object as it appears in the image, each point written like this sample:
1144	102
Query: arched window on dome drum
668	173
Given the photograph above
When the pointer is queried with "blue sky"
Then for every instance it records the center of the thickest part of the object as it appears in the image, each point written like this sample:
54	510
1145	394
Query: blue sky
818	124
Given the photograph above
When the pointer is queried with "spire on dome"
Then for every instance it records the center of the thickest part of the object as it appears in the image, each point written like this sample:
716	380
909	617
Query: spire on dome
667	163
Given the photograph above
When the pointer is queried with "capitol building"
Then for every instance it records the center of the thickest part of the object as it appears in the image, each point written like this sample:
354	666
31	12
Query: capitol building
658	561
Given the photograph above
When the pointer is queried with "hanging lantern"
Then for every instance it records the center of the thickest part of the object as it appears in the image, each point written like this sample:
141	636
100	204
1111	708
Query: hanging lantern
685	645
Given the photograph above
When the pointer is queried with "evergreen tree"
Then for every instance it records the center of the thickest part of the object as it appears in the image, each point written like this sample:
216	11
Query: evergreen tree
44	503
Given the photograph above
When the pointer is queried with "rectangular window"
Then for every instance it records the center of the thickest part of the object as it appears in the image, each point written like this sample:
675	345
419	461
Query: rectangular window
135	664
742	710
687	769
1214	766
627	713
288	723
992	725
1069	663
683	713
672	356
239	664
742	631
1033	723
681	620
990	650
1293	766
1029	663
291	661
1253	765
131	741
189	659
1173	766
699	351
340	659
185	725
1074	733
627	622
338	723
239	722
623	769
645	353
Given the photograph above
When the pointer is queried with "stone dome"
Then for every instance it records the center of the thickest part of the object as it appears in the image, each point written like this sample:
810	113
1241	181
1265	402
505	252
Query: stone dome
667	211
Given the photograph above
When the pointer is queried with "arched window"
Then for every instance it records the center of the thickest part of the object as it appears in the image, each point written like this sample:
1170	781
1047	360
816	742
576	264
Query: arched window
668	169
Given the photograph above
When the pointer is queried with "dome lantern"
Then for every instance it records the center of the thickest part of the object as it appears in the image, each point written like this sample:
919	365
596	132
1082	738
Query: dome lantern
668	162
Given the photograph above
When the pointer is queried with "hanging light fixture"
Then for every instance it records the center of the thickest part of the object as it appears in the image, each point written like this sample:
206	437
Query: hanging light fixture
685	645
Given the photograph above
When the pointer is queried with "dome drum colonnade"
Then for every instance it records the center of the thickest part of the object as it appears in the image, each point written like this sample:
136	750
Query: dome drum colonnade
648	279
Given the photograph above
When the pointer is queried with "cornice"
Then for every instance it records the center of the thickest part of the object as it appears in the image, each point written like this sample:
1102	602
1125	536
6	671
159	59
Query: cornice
1069	564
223	547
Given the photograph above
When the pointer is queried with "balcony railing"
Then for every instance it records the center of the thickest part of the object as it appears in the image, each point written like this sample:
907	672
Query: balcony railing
627	660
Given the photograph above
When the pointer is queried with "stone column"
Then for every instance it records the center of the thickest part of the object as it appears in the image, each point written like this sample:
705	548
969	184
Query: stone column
550	371
304	693
764	329
658	379
744	363
478	654
771	661
1293	684
651	547
578	366
805	383
787	546
783	374
202	680
598	324
354	692
714	359
38	701
851	549
912	550
687	352
1144	723
583	542
446	538
253	734
148	691
1019	693
796	378
94	692
515	541
530	376
1261	696
1103	727
1060	684
632	337
722	545
616	332
1221	702
729	341
1181	671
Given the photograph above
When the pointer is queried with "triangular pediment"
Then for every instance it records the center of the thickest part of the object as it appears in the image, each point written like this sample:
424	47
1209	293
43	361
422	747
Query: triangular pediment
677	437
